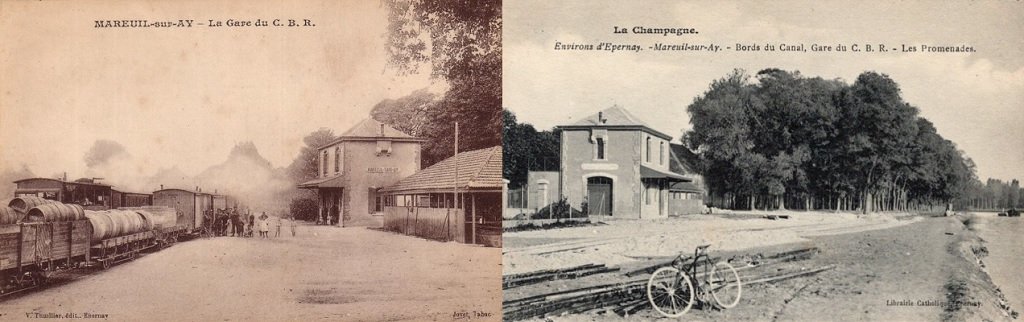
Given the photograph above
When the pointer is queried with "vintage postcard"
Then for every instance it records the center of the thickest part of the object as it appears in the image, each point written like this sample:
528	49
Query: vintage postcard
250	160
782	161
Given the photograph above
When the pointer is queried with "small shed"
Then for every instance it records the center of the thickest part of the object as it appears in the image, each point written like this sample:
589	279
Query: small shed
457	199
685	198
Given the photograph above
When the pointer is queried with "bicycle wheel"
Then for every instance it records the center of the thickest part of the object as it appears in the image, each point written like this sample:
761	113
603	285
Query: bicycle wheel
725	285
669	292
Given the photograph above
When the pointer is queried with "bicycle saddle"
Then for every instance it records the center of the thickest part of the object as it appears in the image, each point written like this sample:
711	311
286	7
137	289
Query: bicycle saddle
703	248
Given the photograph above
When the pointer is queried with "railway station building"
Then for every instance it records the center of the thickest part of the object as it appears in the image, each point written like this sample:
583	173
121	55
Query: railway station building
619	166
355	166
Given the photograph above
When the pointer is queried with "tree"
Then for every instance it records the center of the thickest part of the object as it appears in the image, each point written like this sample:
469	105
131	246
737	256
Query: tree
526	149
1013	194
793	141
406	114
456	31
720	136
306	166
461	41
877	132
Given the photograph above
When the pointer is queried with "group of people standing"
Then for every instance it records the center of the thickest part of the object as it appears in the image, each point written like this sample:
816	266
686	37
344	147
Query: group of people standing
229	220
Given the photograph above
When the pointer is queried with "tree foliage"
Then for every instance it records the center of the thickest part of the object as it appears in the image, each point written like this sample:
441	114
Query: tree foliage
407	114
526	149
304	209
996	194
461	42
792	141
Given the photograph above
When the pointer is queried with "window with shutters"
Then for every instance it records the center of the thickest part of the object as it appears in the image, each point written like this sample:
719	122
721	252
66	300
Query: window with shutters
323	163
648	149
337	159
599	138
661	154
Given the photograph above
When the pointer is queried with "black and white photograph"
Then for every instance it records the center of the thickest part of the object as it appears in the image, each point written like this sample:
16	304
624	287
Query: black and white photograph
250	160
749	161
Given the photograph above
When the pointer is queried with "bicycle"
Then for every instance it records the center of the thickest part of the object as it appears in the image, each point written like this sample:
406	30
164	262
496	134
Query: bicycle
671	292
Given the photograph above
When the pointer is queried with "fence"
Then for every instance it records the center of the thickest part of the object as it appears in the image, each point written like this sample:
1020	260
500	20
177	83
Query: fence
442	224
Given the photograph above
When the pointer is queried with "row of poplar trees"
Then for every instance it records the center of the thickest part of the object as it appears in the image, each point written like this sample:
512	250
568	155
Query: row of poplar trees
779	140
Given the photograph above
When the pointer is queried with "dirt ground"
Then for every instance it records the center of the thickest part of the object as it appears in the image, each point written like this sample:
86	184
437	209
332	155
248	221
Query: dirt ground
326	274
922	266
623	241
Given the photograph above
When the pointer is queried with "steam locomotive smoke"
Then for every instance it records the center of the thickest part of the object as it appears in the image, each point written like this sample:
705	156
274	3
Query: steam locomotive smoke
103	152
245	175
110	160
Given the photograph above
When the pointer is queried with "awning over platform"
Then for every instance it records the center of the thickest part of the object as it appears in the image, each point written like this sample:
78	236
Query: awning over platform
651	173
685	187
329	182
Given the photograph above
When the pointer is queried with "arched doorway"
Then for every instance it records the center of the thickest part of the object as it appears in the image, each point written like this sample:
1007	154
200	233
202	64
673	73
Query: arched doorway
599	196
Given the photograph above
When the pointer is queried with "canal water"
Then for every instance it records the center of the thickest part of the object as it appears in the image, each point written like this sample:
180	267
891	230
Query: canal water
1004	238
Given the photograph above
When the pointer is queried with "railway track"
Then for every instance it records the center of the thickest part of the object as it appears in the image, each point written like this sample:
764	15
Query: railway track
625	294
514	280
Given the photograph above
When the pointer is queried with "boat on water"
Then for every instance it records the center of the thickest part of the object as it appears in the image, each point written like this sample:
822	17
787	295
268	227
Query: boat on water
1012	212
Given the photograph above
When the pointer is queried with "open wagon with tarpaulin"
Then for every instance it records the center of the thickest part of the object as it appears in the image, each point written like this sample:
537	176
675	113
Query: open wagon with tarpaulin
458	199
122	234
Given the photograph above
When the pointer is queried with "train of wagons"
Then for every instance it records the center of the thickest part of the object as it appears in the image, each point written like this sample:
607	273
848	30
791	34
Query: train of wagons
54	224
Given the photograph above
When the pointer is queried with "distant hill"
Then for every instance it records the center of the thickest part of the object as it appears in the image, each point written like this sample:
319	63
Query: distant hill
248	176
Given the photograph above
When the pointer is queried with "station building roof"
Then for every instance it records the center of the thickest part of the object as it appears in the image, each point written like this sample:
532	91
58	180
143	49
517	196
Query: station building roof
652	173
614	117
478	170
370	130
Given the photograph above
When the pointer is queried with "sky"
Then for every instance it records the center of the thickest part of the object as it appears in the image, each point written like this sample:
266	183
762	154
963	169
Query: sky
183	97
975	100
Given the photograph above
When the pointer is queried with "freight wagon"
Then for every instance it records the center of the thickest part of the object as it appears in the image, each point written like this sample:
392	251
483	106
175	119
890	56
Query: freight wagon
191	206
52	236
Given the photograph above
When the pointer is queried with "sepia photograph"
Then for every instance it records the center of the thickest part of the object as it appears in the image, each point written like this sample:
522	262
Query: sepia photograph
251	160
742	161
